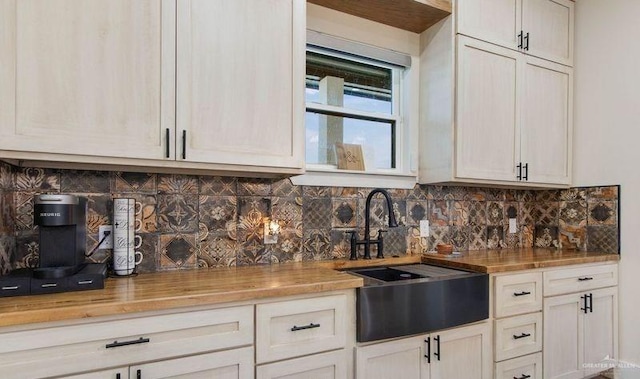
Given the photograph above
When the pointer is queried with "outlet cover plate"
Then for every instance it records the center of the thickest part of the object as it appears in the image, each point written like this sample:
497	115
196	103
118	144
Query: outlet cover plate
424	228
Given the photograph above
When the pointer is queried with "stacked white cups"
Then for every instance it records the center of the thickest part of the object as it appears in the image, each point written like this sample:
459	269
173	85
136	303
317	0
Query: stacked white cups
125	240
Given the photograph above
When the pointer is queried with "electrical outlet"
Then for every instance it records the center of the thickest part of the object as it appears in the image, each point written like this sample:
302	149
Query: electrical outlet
108	242
513	226
424	228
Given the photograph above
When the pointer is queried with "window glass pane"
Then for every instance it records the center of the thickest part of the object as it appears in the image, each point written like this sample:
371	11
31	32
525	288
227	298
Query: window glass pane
349	84
375	137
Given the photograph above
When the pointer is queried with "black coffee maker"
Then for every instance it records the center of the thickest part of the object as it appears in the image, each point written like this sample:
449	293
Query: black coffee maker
62	221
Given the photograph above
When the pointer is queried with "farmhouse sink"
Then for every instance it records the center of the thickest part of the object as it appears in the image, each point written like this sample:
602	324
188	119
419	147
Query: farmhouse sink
412	299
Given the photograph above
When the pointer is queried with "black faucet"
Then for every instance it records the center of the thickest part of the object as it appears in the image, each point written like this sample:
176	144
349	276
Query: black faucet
367	226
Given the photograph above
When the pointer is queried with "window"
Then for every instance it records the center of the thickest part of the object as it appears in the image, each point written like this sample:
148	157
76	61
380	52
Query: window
352	100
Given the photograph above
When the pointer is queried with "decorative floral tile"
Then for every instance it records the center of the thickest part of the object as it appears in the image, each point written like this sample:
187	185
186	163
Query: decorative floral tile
316	213
573	212
573	194
603	239
345	192
99	212
527	213
394	242
511	240
416	211
287	210
439	193
545	236
85	181
460	237
476	194
495	237
477	237
253	255
602	212
217	250
477	213
573	237
340	244
218	213
603	193
250	223
416	244
398	193
288	248
24	210
400	211
37	179
439	213
547	196
526	196
418	192
546	213
7	252
526	235
27	253
458	193
344	213
459	213
177	213
437	235
284	188
313	192
6	176
495	194
178	251
177	184
136	182
378	212
316	245
254	187
7	214
495	213
150	256
218	185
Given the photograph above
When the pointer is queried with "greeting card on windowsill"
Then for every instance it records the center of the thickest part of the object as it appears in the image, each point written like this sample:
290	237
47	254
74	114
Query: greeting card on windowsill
349	156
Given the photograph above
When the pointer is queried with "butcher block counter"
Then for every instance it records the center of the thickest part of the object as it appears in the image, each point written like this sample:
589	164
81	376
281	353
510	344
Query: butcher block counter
504	260
176	289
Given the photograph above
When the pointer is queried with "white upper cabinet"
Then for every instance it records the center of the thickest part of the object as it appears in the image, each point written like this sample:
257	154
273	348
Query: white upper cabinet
240	81
542	28
87	78
172	84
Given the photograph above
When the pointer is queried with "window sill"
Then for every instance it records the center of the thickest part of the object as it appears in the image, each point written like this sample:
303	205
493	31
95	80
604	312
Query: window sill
346	178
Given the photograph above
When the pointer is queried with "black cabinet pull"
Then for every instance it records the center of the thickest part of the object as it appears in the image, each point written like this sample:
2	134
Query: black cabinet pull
585	308
524	376
167	148
526	41
525	176
428	349
522	335
519	167
184	144
590	306
523	293
437	352
118	376
139	374
583	279
126	343
310	326
520	40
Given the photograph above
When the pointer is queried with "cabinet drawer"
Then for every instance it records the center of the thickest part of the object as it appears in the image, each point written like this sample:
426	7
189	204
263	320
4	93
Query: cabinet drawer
61	350
299	327
518	335
518	294
579	279
527	367
332	365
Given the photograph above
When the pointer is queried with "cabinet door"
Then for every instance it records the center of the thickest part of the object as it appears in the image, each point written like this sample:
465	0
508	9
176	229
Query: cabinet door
546	121
464	352
562	337
495	21
115	373
486	111
550	27
87	77
239	82
601	330
331	365
228	364
403	358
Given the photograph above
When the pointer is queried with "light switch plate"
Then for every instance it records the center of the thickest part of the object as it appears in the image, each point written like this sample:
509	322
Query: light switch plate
424	228
513	226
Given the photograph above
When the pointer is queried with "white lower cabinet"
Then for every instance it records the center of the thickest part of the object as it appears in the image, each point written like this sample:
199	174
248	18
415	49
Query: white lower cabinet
527	367
114	373
332	365
463	352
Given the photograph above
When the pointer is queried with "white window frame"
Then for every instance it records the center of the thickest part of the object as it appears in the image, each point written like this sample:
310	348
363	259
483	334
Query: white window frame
404	175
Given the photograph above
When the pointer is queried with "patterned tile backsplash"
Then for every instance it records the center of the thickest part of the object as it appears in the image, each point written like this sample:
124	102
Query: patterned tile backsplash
198	221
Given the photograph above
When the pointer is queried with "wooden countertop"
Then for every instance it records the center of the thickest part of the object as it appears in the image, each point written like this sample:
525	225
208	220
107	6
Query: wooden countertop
504	260
174	289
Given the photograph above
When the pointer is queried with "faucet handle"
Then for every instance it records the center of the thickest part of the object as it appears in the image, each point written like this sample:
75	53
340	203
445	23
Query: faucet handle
354	244
380	231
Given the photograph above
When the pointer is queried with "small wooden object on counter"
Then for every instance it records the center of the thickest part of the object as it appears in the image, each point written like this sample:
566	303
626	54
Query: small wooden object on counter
444	249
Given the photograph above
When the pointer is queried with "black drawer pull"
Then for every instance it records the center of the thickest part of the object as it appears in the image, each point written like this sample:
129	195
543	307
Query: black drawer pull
139	374
126	343
585	279
523	335
523	293
118	376
167	152
524	376
10	288
310	326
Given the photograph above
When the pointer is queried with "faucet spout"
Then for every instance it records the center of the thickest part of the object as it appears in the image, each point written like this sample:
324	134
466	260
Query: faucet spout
367	223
